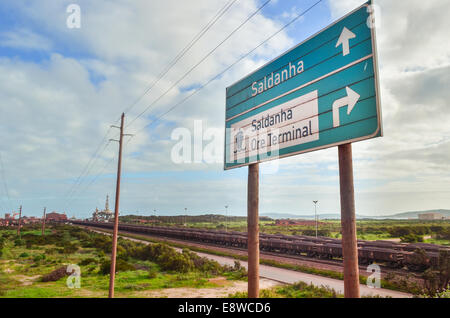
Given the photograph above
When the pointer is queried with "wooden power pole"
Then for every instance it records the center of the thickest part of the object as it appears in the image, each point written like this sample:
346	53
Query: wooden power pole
348	223
20	221
43	222
253	230
116	211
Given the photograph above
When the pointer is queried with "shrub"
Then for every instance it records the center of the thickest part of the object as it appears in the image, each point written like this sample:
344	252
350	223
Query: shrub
56	275
152	273
121	266
445	234
24	254
88	261
69	248
175	262
37	258
411	238
19	242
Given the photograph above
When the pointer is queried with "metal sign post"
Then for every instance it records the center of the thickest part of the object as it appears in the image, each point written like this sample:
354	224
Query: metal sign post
253	230
348	223
322	93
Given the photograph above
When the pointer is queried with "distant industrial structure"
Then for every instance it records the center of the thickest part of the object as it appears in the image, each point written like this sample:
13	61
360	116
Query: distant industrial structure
431	216
103	216
290	222
56	217
11	220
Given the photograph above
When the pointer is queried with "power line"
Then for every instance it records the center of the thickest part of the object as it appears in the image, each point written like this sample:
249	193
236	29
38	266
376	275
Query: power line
230	66
5	185
88	164
200	62
212	79
85	173
194	40
82	191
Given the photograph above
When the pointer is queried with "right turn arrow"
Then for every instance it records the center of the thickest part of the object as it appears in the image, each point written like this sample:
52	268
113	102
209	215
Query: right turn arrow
351	99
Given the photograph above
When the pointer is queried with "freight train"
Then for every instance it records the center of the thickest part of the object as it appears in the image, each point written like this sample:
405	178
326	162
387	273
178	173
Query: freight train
418	256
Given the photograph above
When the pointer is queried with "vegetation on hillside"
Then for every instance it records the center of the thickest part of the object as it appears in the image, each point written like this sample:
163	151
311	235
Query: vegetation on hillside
36	266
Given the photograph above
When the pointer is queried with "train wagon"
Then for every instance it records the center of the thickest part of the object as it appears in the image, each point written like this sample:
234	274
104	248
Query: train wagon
329	251
417	256
391	257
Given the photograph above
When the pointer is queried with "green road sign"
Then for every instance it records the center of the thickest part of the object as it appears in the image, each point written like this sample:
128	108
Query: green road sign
322	93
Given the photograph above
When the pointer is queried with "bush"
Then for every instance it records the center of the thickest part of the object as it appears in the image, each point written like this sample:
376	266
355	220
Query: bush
411	238
19	242
88	261
24	254
399	231
69	248
121	266
55	275
175	262
445	234
37	258
203	264
152	273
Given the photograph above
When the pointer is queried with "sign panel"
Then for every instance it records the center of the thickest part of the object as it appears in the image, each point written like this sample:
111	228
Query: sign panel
320	94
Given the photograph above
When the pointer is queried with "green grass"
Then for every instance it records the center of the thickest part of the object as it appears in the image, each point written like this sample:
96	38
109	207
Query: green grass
407	288
20	276
297	290
437	241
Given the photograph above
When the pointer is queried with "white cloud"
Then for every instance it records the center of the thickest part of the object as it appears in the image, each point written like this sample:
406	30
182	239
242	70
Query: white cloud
55	113
24	39
412	157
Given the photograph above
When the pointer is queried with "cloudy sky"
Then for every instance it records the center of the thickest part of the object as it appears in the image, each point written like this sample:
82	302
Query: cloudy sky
61	88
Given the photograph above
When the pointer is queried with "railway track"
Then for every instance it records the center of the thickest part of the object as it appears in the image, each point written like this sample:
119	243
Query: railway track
333	264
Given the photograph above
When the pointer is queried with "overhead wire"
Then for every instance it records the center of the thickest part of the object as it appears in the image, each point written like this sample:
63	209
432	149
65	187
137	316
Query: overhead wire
5	185
183	52
229	67
199	62
212	79
193	41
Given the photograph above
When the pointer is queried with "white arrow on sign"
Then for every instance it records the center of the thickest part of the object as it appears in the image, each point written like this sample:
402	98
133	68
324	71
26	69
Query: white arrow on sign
344	39
351	99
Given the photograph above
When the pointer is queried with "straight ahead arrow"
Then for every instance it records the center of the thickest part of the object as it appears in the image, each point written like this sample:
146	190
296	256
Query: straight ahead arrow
351	99
344	40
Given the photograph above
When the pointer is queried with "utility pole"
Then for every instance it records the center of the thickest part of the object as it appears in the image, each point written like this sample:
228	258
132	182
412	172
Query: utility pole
226	218
348	222
116	210
43	223
20	221
315	213
185	213
253	230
